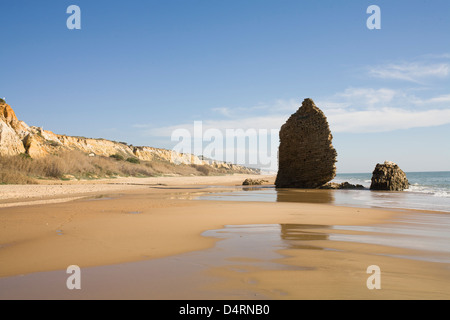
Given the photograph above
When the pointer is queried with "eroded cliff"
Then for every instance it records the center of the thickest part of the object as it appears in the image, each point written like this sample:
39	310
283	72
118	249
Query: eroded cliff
16	137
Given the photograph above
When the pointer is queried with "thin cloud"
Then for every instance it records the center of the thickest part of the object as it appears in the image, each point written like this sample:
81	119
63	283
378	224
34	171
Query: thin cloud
227	112
413	72
436	56
387	119
439	99
340	120
258	123
355	110
277	106
365	97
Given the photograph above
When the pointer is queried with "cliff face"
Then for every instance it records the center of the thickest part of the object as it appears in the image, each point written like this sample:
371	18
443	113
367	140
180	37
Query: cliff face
17	137
11	131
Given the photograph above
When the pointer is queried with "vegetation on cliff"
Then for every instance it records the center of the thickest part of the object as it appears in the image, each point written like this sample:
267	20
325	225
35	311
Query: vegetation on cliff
23	169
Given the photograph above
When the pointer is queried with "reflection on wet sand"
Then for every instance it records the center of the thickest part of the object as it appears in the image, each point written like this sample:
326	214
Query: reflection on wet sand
270	194
295	236
306	196
351	198
257	188
293	195
261	242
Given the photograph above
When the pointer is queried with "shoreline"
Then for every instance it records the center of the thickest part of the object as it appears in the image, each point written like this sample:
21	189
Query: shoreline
47	191
156	221
59	191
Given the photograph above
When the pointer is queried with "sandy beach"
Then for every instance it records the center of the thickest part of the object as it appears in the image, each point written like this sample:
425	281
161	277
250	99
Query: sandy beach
148	238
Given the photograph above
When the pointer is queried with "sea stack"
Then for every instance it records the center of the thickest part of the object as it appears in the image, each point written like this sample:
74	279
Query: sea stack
389	177
306	156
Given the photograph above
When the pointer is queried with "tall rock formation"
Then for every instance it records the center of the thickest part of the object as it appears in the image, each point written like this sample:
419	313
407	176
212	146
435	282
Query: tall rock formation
306	157
389	177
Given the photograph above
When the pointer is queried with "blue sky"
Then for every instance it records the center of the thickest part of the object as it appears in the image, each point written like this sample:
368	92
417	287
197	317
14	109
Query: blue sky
137	70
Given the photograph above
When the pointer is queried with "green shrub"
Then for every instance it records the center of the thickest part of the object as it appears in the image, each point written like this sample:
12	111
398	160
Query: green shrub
133	160
117	156
25	156
203	169
52	143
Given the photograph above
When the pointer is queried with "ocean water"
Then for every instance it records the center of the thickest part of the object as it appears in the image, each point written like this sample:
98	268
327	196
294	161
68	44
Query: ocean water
427	191
436	184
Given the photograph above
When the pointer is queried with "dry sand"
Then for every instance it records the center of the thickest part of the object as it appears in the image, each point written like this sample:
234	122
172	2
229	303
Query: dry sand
155	221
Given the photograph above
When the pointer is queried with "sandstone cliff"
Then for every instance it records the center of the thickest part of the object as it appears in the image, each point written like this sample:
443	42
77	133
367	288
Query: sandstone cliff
12	131
16	137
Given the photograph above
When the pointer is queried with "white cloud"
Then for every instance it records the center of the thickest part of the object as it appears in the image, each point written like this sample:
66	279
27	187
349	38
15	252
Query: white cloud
438	100
277	106
413	72
267	122
382	110
444	56
356	110
353	110
227	112
386	119
140	126
361	98
340	120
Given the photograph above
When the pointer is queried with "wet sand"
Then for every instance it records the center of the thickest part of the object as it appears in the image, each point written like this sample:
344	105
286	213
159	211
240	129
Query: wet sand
153	241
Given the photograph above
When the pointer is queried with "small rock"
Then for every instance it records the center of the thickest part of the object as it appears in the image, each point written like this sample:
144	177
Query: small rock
389	177
253	182
343	185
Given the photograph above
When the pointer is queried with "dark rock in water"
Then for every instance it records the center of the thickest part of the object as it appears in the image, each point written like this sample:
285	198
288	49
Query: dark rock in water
253	182
306	155
343	185
388	176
